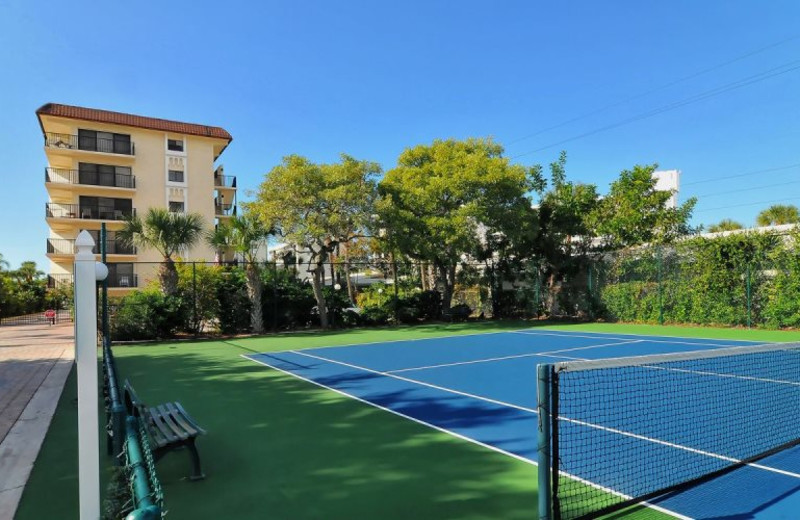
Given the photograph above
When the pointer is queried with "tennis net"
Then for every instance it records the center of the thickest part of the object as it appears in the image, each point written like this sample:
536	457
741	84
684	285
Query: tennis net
621	431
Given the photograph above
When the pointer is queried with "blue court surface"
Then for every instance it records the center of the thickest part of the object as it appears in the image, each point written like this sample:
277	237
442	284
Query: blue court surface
482	388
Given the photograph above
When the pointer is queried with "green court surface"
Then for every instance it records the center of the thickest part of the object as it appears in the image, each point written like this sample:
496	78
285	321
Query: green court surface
281	448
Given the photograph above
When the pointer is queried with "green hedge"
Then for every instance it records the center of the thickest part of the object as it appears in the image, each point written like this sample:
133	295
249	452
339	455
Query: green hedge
744	279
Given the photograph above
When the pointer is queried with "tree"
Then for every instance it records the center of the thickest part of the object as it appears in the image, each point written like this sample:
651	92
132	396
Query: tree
245	235
438	197
167	233
778	214
725	224
565	232
317	207
634	212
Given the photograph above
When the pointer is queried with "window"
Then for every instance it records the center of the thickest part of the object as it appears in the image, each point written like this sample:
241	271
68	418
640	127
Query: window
105	175
104	142
175	176
176	145
105	208
176	207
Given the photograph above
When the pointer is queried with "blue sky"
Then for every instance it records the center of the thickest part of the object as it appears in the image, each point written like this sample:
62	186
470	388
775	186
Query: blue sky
369	78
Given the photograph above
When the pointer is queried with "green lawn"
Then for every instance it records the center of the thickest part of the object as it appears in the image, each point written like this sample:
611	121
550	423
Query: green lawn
281	448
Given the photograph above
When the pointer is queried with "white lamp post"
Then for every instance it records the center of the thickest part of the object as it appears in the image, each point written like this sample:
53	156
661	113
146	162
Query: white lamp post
87	273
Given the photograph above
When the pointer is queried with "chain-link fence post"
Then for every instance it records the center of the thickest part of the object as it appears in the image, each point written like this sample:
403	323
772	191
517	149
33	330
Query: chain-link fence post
195	324
749	292
274	296
659	268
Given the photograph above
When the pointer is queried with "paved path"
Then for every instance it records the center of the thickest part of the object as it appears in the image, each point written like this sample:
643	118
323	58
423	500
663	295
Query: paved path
35	361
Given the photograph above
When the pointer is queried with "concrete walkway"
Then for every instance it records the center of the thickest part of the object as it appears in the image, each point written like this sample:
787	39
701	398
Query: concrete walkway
35	361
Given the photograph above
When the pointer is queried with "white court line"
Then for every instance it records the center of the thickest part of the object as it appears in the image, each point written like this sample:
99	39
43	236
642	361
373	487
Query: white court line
465	438
629	334
369	343
641	338
534	411
502	358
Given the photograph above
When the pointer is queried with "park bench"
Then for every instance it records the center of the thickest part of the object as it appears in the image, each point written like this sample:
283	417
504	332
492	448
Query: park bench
168	426
457	313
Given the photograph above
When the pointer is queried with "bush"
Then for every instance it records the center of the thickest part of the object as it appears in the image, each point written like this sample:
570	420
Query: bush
147	314
286	302
233	311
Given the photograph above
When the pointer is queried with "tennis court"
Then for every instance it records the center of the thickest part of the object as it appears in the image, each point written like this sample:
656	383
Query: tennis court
483	388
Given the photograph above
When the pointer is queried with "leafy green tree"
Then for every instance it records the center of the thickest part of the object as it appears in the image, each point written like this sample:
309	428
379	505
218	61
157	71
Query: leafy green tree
245	235
317	207
634	212
778	214
725	224
167	233
565	231
438	197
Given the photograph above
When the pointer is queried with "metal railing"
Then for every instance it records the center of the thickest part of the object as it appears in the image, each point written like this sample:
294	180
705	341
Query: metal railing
87	143
59	280
226	210
122	280
112	180
225	181
65	246
90	211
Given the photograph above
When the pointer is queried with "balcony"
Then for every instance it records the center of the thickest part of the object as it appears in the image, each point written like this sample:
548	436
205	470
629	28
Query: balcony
225	181
77	177
119	280
84	211
224	210
55	281
64	246
88	144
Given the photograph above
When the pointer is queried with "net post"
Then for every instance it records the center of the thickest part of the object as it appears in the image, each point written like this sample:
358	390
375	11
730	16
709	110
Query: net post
543	444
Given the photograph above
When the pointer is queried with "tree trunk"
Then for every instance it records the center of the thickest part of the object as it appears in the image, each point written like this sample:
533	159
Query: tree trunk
168	277
423	276
351	289
447	285
254	292
316	283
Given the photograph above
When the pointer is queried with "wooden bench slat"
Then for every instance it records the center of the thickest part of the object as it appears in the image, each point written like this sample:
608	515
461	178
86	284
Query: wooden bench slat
182	421
171	423
189	418
163	434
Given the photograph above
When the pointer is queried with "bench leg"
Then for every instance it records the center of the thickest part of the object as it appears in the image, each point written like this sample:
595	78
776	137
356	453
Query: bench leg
197	472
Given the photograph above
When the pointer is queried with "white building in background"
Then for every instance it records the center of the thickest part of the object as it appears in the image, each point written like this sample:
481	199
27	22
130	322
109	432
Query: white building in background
669	180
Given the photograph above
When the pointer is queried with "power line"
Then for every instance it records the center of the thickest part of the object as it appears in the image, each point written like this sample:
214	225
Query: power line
724	177
749	204
749	80
751	188
657	89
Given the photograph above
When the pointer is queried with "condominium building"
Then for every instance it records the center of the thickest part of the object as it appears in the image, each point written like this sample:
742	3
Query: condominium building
104	166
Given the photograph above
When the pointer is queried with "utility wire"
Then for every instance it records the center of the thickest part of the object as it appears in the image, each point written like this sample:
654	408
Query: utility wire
749	204
657	89
751	188
749	80
725	177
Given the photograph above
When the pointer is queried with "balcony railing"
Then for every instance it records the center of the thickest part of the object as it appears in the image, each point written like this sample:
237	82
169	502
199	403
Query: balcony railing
122	280
225	181
226	210
112	180
91	144
58	280
57	210
64	246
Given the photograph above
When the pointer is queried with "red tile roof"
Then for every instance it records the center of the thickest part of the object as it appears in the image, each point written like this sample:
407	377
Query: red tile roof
119	118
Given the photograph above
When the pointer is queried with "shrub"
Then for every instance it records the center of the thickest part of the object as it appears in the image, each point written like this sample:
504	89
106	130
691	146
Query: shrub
146	314
286	301
233	311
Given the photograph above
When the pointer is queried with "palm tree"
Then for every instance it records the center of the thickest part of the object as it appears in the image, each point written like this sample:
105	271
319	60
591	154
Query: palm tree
725	224
167	233
778	214
244	235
